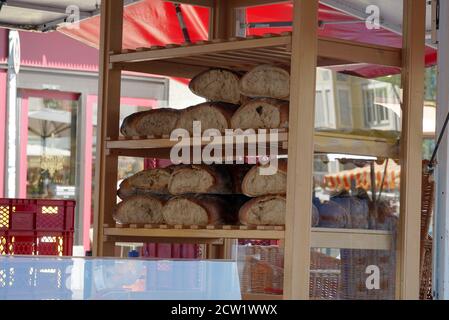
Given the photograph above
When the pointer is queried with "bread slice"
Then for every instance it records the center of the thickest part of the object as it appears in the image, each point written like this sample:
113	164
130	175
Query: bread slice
267	81
264	211
255	185
211	115
261	113
217	85
200	179
140	210
156	122
146	182
199	210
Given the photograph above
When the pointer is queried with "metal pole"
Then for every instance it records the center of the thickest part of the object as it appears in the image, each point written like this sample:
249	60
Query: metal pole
441	221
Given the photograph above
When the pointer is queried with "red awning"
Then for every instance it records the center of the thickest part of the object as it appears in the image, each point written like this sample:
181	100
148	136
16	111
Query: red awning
154	22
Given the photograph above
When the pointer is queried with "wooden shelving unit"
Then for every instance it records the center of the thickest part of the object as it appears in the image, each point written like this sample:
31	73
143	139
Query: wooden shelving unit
303	51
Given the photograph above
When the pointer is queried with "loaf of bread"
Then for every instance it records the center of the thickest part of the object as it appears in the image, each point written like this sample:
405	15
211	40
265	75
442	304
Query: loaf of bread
217	85
264	211
332	215
266	81
255	185
200	179
146	182
261	113
156	122
140	209
199	210
357	208
211	115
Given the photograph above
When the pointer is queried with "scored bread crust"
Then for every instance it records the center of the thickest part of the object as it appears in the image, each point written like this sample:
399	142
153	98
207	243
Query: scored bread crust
255	185
199	210
217	85
261	113
155	122
212	179
212	115
264	211
268	81
146	182
140	210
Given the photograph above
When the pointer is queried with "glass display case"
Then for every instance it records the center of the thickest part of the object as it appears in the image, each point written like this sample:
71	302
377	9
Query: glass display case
44	278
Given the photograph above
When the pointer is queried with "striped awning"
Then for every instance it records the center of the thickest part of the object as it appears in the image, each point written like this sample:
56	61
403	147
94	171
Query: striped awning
362	177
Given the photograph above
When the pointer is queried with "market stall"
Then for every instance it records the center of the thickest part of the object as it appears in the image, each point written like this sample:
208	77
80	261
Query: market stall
376	238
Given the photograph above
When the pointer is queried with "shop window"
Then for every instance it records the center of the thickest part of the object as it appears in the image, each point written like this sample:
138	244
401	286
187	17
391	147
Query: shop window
345	107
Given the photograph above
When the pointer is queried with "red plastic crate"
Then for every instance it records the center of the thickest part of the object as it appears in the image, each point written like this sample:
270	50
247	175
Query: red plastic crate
37	215
36	227
49	243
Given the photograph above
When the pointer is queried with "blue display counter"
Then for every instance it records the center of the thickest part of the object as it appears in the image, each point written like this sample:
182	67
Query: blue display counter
43	278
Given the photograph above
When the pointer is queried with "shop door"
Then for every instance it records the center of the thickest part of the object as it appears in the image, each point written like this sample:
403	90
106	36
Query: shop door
48	144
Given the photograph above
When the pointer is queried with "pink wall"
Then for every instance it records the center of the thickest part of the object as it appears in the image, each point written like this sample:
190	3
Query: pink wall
52	50
3	79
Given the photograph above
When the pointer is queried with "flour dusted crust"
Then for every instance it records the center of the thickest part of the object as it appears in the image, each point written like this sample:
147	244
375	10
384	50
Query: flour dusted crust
212	115
266	81
264	211
140	210
156	122
199	210
217	85
200	179
261	113
146	182
255	185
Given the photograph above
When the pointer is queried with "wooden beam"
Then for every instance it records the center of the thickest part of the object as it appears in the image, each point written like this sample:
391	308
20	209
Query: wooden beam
108	123
222	20
411	153
301	149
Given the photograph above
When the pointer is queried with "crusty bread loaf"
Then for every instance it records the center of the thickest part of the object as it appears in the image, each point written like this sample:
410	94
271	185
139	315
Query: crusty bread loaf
238	173
156	122
212	115
217	85
200	179
146	182
199	210
255	185
264	211
266	81
261	113
332	215
140	209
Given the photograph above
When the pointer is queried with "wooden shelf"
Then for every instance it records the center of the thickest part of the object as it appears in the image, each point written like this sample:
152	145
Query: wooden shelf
261	296
324	143
242	54
321	237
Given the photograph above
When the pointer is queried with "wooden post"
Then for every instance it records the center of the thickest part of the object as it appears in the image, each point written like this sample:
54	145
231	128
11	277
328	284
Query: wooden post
222	20
411	148
108	123
301	149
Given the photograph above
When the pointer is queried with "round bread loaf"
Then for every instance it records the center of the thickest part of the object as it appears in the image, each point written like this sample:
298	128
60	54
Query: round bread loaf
358	210
255	185
146	182
264	211
199	210
267	81
332	215
211	115
217	85
140	210
155	122
200	179
261	113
